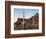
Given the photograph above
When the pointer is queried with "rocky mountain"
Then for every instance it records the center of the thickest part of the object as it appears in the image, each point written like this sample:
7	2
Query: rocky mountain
31	23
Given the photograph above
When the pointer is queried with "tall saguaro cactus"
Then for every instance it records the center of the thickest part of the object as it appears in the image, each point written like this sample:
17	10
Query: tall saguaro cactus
23	18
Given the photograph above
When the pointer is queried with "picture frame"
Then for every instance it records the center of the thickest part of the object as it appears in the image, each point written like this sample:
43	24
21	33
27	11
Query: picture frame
9	24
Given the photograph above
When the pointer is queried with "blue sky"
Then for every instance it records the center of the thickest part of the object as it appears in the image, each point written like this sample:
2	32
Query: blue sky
18	13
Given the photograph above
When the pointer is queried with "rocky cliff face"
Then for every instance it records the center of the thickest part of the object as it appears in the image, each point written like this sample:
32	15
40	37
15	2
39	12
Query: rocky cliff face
31	23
